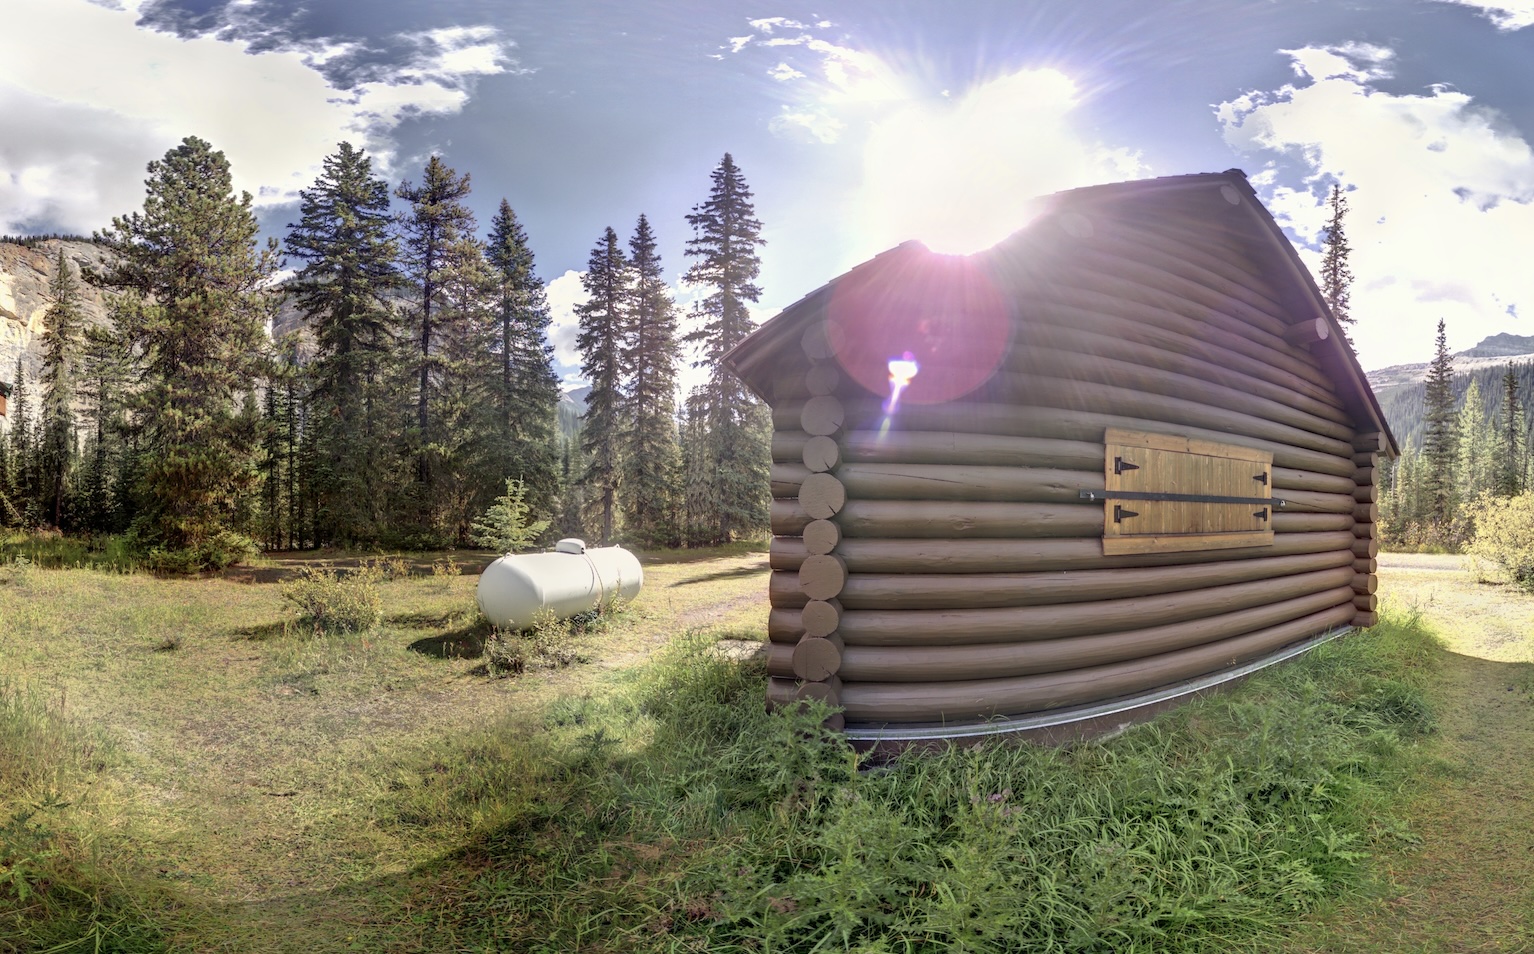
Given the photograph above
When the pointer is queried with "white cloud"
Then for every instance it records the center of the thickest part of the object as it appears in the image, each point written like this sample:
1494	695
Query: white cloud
1506	14
783	72
960	173
564	293
1440	213
810	122
769	24
130	93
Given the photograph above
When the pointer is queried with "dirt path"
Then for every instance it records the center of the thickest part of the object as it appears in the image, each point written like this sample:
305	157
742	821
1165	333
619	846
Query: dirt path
1470	885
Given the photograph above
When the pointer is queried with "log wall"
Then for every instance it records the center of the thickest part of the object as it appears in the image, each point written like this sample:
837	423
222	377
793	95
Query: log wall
939	563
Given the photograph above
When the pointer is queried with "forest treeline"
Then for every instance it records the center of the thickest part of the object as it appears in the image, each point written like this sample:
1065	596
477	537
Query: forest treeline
419	383
1464	445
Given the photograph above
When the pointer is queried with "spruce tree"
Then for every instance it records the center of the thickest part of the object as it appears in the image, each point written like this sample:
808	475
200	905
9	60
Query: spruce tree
193	311
726	234
347	290
64	327
1440	442
1336	277
1477	472
1510	445
648	360
607	282
525	389
21	466
438	229
104	368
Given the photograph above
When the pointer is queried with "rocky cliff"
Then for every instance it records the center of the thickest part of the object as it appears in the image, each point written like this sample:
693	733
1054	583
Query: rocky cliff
25	273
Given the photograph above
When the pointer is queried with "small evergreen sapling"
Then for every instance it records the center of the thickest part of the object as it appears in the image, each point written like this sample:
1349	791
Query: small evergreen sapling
505	527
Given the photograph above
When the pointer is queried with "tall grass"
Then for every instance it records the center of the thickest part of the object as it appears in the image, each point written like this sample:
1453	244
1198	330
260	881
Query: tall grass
680	816
56	894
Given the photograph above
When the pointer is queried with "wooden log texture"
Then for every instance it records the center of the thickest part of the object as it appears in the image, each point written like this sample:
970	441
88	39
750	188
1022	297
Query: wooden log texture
1040	363
788	445
1022	556
968	700
822	577
1065	424
1367	513
1369	442
967	482
780	661
821	536
990	519
788	517
822	378
821	618
1308	332
1368	602
1369	459
822	496
1309	501
1366	619
821	454
900	591
780	692
827	691
1367	493
822	415
995	660
786	553
787	478
1365	476
817	658
1146	327
1057	621
1366	547
953	447
1109	337
1366	565
1365	583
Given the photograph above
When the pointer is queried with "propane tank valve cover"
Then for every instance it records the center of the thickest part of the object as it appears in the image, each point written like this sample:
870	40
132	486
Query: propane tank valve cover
570	545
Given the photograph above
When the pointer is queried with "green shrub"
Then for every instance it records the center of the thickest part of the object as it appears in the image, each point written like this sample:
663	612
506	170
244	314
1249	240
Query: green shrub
334	602
220	551
1504	538
506	526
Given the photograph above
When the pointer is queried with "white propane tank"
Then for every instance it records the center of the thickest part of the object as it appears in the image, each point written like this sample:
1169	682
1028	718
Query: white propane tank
570	580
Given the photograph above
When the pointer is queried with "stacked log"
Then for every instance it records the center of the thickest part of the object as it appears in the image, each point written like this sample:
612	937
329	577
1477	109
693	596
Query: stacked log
940	563
1367	449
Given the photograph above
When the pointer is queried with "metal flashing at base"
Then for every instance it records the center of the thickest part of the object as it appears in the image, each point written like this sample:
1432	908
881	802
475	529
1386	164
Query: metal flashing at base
1155	699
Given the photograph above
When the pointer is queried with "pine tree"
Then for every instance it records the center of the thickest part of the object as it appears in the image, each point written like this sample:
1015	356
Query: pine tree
193	310
1336	277
1440	443
1510	444
20	489
726	234
700	489
648	361
438	230
1477	439
526	390
64	327
104	367
602	324
347	290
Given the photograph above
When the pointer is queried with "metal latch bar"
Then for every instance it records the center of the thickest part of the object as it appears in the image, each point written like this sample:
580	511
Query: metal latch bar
1273	502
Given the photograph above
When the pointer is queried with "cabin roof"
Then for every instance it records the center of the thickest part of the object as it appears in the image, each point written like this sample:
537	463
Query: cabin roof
1222	205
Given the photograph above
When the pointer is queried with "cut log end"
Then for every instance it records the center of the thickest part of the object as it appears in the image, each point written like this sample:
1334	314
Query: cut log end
821	618
821	537
822	378
822	496
1364	620
822	577
817	658
823	415
821	453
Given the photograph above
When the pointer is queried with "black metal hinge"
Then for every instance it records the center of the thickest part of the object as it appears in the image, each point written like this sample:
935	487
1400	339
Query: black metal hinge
1119	513
1120	465
1273	502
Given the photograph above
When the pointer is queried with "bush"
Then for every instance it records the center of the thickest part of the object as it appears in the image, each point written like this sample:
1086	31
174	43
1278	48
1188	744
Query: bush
336	603
1504	538
506	527
220	551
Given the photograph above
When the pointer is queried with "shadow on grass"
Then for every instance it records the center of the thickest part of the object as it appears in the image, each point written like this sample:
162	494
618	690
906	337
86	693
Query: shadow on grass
735	574
465	642
263	631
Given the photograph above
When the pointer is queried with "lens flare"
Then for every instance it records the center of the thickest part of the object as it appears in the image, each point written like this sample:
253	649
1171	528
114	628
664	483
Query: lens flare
902	370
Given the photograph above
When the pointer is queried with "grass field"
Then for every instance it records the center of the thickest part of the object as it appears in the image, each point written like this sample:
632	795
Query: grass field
183	766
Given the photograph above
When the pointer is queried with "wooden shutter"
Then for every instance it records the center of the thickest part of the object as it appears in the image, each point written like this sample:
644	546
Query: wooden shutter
1155	465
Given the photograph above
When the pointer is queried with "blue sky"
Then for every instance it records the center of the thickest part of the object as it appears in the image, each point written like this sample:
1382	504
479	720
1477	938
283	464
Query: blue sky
858	124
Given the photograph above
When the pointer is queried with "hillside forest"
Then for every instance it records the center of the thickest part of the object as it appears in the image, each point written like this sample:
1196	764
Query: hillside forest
415	391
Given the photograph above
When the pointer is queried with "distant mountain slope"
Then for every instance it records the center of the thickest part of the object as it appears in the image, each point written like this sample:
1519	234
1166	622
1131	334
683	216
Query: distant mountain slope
572	404
1401	388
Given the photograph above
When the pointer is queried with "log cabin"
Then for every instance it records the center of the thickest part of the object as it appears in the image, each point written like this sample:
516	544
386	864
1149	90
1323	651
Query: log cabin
1123	457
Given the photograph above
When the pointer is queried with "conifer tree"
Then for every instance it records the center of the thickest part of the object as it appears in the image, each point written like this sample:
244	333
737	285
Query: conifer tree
104	369
192	309
607	282
526	390
64	327
726	234
1477	453
1440	442
1336	276
21	466
1510	444
700	501
648	361
347	290
438	257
